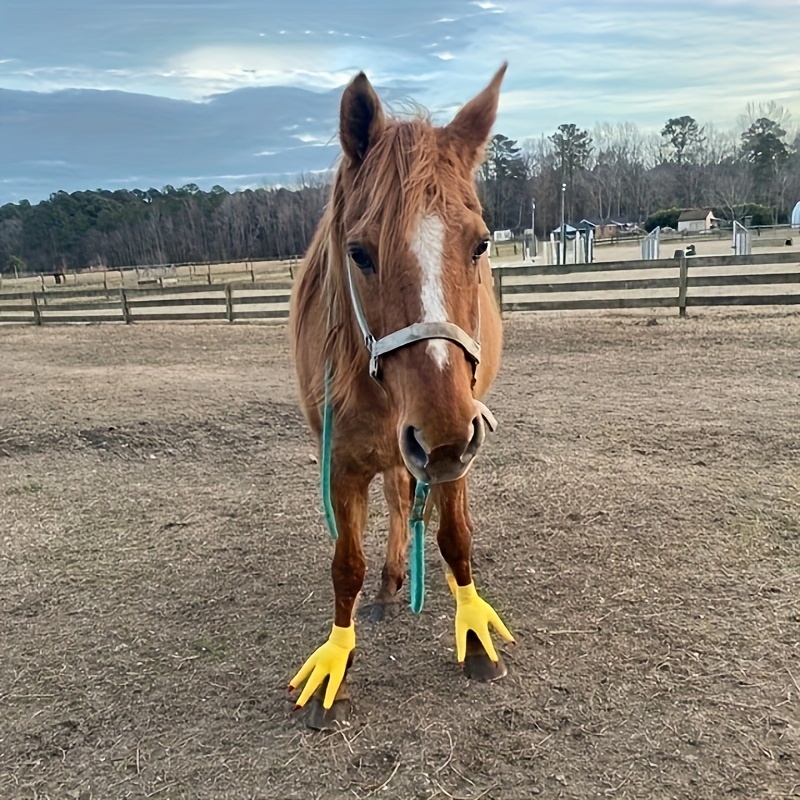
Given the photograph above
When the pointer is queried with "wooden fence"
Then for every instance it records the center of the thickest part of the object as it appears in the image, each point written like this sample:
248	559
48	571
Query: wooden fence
224	302
681	282
762	279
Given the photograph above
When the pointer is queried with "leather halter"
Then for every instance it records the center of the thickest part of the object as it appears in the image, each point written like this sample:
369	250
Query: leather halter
417	332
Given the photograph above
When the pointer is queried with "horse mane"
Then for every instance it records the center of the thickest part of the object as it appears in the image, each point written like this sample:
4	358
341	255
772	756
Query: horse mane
413	168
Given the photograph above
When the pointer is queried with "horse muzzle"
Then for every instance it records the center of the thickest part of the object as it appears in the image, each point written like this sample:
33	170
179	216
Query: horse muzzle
444	462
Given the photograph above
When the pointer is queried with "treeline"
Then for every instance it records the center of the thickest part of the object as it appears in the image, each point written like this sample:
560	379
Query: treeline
127	228
619	172
611	172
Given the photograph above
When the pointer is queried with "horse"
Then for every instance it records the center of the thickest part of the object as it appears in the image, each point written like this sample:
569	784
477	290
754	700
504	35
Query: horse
396	337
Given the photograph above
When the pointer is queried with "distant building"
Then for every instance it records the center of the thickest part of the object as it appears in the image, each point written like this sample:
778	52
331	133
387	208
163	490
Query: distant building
608	228
569	230
693	220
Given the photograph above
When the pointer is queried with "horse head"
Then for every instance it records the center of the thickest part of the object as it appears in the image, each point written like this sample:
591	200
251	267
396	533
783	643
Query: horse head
416	264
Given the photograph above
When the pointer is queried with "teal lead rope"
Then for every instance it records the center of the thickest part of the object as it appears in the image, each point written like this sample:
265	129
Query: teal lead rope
416	522
325	457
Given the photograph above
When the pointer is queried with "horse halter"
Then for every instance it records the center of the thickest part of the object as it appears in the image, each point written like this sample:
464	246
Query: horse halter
416	332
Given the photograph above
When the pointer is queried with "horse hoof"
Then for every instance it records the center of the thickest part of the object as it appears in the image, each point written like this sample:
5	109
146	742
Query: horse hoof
318	718
379	610
477	664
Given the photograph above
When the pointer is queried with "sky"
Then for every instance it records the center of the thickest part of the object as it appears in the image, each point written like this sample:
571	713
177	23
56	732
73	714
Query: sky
244	93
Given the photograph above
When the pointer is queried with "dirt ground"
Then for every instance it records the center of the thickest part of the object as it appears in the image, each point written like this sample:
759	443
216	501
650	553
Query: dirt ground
164	571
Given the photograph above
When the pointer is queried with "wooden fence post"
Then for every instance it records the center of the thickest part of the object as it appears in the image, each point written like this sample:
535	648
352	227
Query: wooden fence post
209	273
37	314
126	309
497	280
229	302
683	280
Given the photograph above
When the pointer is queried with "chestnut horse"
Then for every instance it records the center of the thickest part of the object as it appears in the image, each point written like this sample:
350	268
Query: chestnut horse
396	332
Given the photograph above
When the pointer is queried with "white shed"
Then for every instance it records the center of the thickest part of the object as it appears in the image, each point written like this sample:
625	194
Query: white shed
696	219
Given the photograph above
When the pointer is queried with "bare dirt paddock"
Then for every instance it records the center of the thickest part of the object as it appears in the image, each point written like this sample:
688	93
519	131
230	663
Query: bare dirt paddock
165	570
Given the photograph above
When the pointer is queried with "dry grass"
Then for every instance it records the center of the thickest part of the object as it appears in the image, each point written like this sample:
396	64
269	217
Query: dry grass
164	570
134	277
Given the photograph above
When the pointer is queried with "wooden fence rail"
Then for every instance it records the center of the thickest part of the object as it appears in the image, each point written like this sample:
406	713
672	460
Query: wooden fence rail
761	279
679	282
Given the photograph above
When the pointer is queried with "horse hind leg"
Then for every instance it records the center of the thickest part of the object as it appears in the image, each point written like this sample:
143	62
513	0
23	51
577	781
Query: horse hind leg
398	488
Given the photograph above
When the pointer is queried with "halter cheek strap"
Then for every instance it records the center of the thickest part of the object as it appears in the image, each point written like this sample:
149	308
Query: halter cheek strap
417	332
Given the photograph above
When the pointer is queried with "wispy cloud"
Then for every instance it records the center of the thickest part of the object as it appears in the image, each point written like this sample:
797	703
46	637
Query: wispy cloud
575	61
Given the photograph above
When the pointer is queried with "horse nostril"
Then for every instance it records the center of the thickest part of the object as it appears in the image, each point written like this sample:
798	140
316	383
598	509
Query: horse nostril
478	436
413	451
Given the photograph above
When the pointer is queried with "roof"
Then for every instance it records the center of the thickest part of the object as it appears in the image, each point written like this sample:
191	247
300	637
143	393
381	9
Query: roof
602	222
690	214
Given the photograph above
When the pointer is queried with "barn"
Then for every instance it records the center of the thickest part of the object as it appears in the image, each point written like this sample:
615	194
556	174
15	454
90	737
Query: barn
696	219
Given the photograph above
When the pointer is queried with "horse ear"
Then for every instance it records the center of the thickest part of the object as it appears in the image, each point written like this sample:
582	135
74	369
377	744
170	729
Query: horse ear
361	119
473	123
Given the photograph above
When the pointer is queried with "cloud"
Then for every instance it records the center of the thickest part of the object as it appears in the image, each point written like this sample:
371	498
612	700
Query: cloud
237	87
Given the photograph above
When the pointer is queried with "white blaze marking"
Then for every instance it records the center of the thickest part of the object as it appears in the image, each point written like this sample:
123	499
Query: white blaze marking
428	246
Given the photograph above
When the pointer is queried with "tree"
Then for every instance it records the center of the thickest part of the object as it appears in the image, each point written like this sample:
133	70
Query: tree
14	265
683	142
664	218
573	148
684	136
504	183
764	148
732	184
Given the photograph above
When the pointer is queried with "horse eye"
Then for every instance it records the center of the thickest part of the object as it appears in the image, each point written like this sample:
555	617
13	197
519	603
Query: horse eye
362	259
480	249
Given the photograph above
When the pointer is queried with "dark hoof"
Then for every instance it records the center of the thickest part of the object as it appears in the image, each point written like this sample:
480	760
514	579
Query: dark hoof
478	666
318	718
379	610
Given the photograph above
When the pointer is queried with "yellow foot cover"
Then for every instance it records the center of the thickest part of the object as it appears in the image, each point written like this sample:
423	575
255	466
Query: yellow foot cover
328	660
475	614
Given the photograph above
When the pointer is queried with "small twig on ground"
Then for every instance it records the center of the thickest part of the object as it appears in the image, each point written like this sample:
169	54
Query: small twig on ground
463	797
386	782
158	791
450	755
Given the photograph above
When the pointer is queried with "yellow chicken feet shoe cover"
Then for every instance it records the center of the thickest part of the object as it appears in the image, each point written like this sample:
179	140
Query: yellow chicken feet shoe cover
475	614
329	660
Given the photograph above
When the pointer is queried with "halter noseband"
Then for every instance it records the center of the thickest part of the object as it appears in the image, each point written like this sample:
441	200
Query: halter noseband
416	332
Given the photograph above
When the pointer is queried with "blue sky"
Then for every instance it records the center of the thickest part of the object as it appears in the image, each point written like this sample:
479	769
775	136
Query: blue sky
140	93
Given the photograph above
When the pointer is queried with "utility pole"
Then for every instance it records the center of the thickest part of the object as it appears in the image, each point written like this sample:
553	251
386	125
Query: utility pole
563	245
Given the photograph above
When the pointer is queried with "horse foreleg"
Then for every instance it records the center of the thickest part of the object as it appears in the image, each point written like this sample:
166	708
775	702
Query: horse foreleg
398	489
324	672
474	646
